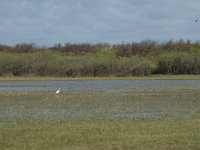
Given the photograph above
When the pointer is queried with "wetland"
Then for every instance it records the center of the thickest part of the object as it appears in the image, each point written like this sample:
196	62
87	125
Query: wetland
100	114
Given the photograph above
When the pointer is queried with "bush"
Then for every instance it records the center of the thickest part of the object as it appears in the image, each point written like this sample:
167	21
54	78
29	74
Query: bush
143	67
11	65
177	63
197	64
105	62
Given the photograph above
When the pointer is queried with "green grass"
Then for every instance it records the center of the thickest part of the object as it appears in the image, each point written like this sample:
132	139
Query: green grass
129	118
133	134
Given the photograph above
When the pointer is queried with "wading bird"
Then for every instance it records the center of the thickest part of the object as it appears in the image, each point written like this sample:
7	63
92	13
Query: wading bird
58	91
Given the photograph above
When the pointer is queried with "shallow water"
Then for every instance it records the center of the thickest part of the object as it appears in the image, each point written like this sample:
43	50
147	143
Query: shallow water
93	84
114	99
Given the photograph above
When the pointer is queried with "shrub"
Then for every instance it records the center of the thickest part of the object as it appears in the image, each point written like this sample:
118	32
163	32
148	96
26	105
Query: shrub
177	63
134	59
143	67
197	64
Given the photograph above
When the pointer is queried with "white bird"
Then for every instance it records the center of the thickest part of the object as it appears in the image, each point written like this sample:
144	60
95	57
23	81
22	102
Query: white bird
58	91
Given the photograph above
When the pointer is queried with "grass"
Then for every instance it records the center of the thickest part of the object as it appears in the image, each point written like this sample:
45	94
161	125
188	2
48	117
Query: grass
140	118
133	134
150	77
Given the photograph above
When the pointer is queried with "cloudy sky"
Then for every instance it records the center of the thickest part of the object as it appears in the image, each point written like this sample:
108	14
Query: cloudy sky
46	22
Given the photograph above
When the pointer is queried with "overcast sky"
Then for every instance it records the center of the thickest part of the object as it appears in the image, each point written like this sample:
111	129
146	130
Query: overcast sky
46	22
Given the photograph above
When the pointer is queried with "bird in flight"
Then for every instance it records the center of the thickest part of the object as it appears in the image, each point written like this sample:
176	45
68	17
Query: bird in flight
196	20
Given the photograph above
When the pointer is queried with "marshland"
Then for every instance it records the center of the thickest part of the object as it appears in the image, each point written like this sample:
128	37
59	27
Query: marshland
112	97
118	114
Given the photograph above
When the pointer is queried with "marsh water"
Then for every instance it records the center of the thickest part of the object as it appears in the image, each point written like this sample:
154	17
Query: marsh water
93	84
99	99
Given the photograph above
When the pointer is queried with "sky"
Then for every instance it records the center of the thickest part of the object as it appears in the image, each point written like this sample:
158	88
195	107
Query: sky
47	22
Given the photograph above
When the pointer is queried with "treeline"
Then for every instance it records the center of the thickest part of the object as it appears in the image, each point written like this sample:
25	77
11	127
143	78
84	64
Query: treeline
73	60
142	48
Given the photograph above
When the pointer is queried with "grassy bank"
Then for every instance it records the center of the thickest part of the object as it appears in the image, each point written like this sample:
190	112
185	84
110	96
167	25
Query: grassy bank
150	77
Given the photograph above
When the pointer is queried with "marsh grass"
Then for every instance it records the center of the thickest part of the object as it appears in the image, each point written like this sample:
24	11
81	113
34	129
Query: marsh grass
128	118
132	134
127	103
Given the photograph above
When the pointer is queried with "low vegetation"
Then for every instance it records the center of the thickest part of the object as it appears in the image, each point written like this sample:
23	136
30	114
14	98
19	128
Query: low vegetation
140	118
108	135
97	60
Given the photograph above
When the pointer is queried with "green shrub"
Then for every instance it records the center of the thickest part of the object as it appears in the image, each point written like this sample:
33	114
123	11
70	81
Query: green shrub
164	63
177	63
183	63
102	63
143	67
197	64
12	65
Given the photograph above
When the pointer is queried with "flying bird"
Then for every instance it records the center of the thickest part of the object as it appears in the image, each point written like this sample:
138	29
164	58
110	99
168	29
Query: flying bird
196	20
58	91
